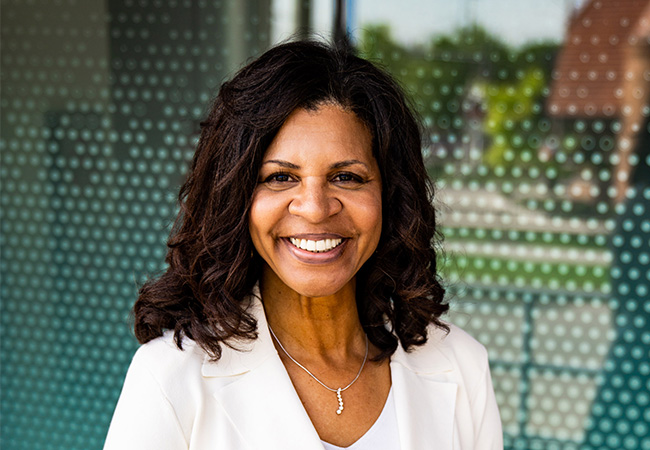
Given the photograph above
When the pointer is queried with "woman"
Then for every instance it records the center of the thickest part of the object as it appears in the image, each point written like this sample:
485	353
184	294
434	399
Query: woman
301	307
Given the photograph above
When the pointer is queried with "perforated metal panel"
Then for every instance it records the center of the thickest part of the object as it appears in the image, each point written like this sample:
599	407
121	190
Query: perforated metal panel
100	106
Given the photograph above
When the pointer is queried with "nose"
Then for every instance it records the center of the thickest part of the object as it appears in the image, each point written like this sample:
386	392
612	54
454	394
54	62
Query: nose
314	201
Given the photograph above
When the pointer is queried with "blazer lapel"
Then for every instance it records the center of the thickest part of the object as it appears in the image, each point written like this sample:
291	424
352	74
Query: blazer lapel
266	410
257	394
425	401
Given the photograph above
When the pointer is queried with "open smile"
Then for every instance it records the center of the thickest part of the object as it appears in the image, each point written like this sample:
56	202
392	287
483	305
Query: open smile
316	246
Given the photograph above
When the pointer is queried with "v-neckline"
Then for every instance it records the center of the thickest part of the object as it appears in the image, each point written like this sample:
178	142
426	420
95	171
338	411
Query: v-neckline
373	428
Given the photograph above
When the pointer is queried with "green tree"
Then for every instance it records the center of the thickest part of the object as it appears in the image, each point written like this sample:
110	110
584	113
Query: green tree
462	78
513	111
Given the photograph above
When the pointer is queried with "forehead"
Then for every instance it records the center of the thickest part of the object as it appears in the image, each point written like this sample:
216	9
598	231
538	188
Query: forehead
329	130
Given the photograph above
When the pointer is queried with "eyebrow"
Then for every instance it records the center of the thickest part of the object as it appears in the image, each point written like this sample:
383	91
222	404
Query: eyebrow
282	163
337	165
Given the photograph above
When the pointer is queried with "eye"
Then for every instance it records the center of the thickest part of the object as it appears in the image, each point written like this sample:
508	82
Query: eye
279	180
279	177
347	178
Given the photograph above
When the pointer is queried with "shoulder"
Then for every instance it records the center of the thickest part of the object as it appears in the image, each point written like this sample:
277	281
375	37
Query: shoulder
160	395
443	352
459	363
162	360
458	344
165	347
468	356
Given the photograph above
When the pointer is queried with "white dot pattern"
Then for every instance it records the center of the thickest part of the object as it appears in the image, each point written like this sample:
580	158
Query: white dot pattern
540	152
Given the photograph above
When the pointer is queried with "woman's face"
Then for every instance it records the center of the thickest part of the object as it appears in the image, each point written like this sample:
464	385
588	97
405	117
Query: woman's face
316	212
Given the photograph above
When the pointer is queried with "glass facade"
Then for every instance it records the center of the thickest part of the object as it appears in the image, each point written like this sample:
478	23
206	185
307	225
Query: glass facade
536	117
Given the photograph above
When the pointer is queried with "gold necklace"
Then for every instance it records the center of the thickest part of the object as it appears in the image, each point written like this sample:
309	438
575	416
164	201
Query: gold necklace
338	390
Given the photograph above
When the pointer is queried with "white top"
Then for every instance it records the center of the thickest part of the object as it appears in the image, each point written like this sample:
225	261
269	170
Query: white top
382	435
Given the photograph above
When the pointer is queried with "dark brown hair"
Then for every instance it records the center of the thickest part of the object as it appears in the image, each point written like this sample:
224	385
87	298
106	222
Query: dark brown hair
212	266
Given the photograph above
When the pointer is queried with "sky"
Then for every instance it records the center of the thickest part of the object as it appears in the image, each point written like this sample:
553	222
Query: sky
414	21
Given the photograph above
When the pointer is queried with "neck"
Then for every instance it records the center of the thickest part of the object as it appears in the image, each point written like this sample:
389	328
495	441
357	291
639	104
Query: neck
325	327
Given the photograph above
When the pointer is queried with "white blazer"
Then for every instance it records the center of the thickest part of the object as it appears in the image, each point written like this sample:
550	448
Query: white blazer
175	399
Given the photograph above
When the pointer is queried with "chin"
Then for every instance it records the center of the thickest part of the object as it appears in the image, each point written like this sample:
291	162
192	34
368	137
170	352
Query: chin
314	281
318	285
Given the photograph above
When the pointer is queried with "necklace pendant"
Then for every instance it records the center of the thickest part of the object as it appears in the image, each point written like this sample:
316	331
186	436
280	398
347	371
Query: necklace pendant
338	395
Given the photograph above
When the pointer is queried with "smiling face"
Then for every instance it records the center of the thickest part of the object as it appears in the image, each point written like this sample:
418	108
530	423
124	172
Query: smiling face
316	212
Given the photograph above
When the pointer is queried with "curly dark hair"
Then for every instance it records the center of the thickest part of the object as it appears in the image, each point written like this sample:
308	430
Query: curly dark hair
212	266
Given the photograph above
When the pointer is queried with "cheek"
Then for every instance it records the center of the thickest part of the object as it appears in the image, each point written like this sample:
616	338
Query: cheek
370	218
376	229
256	220
265	213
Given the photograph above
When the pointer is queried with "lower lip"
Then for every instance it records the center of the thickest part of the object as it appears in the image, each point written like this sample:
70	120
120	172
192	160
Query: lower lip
308	257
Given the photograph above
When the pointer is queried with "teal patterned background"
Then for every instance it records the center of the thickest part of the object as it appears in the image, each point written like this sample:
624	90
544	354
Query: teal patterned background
530	126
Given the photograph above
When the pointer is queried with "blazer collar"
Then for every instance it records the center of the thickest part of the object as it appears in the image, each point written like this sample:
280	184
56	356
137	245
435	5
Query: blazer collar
262	404
244	356
428	359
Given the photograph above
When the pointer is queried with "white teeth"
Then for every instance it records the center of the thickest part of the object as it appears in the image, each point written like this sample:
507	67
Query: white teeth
324	245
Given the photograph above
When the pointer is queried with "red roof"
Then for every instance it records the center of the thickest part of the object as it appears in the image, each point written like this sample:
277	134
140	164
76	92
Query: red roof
589	71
